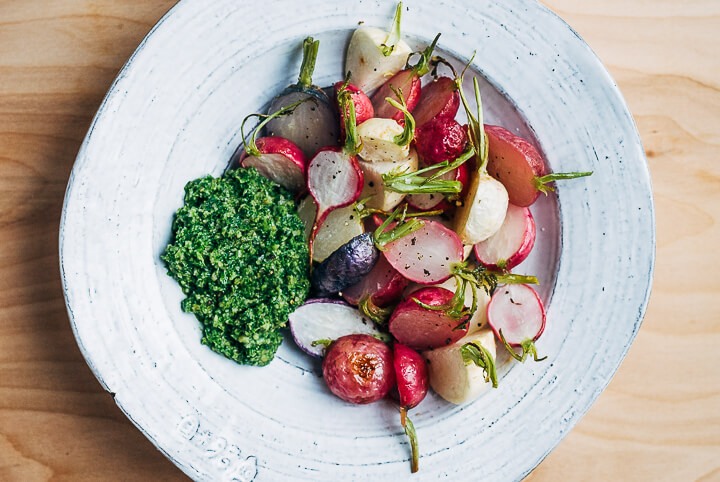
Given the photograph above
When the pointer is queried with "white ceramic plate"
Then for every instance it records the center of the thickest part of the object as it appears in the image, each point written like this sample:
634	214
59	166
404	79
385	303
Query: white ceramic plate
173	115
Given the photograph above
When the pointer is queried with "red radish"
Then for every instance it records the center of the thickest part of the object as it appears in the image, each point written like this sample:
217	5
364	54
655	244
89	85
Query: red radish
511	244
421	328
519	166
363	106
384	284
359	368
412	382
517	316
440	140
438	100
276	158
406	82
335	179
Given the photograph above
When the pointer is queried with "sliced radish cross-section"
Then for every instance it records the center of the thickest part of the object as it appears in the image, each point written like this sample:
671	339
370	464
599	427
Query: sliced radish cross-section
511	244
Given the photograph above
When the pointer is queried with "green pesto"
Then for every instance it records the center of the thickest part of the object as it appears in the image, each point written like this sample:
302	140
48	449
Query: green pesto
238	251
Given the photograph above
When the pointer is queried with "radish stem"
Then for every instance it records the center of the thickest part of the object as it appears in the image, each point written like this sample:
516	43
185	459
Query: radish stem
250	147
408	133
410	432
374	312
540	182
527	346
414	183
479	355
394	37
403	228
310	51
423	65
347	107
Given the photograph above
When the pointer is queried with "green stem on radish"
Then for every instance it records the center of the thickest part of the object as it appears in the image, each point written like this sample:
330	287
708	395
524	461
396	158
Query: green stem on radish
393	38
414	183
374	312
476	124
401	229
455	308
383	337
527	347
353	144
310	51
541	182
408	133
479	355
326	342
412	435
423	65
250	147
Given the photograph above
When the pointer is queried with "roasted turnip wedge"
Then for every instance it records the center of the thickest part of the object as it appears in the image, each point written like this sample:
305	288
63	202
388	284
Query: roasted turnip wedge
519	166
373	188
406	82
415	324
412	383
438	100
454	373
517	316
359	368
320	320
511	244
339	227
314	124
335	179
356	258
374	54
383	284
485	204
276	158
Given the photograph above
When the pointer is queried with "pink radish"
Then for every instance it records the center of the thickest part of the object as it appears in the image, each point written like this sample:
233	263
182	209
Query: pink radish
440	140
438	100
359	368
519	166
384	284
407	82
335	179
276	158
363	106
517	316
412	382
421	328
511	244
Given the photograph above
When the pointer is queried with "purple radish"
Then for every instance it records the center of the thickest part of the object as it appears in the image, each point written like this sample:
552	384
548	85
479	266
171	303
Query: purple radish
517	316
412	382
421	328
359	368
353	260
335	179
313	125
511	244
324	319
276	158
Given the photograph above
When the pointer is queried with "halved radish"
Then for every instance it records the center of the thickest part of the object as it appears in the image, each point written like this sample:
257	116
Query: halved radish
335	179
511	244
325	319
339	227
518	165
438	100
363	106
378	140
412	383
479	319
517	316
421	328
384	285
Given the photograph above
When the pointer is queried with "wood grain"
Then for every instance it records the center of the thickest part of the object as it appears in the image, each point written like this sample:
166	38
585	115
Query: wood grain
658	420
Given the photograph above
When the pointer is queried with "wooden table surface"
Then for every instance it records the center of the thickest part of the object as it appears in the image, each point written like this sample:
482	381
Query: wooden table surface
659	419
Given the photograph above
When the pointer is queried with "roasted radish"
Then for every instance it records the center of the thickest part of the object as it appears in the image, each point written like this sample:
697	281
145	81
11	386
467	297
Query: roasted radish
339	227
374	55
440	140
359	368
313	125
517	316
406	82
454	373
384	139
383	284
412	383
423	328
519	166
478	319
461	174
438	100
321	320
334	176
511	244
363	106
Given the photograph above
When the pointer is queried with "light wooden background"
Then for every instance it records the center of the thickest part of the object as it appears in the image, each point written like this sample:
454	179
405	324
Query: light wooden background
658	420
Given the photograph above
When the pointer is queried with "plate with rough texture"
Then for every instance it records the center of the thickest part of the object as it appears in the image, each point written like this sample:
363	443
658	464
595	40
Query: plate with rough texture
173	115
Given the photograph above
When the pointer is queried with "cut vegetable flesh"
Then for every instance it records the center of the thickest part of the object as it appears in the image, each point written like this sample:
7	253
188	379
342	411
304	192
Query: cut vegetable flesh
339	227
511	244
324	319
427	255
517	310
373	187
278	168
384	284
334	181
365	60
377	137
483	210
514	162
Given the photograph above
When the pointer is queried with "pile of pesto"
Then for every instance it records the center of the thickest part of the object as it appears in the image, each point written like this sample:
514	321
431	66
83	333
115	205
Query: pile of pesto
239	253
